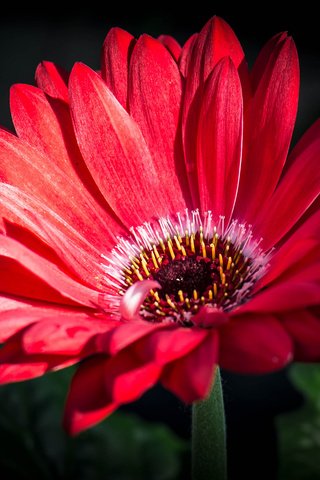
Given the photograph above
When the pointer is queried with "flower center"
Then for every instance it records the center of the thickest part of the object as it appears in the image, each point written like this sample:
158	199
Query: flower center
196	262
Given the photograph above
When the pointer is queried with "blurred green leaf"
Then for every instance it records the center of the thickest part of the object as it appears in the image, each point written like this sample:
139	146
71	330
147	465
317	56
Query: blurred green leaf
34	445
299	431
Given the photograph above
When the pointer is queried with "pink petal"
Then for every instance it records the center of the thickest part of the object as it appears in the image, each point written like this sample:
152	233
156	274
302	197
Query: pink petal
115	58
191	376
134	297
269	125
254	344
172	45
154	102
115	151
303	326
19	259
53	80
220	140
298	188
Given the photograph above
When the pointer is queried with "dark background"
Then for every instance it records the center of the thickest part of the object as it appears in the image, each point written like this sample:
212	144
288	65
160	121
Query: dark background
66	33
65	36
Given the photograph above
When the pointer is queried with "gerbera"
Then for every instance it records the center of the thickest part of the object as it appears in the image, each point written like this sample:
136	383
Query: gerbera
153	226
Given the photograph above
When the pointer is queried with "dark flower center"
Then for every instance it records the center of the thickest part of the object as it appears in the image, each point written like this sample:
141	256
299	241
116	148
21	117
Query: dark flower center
188	274
195	261
193	271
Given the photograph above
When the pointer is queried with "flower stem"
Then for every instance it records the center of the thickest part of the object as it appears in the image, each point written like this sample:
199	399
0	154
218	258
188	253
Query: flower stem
209	455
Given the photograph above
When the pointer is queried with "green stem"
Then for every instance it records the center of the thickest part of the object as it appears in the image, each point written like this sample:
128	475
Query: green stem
209	455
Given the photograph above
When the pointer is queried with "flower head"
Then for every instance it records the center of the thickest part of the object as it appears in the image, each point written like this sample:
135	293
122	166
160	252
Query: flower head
154	225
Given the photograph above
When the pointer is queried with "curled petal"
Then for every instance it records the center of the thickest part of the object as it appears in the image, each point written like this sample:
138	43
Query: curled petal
134	297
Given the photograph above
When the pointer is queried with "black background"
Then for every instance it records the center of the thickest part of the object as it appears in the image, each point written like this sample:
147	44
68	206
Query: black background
66	34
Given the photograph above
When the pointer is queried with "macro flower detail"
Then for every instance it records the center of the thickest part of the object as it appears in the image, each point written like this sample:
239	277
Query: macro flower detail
154	224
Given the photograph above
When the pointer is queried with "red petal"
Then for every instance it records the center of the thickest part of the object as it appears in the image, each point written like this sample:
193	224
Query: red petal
296	254
38	176
269	122
115	151
101	385
115	58
215	41
165	346
186	53
16	366
220	140
20	259
66	243
191	376
46	124
16	314
296	191
266	56
172	45
63	333
125	334
254	344
87	402
53	80
293	294
154	103
303	326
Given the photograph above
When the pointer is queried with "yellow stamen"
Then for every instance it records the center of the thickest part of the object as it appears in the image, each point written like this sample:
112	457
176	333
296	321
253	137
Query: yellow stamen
204	251
140	277
170	302
177	242
181	297
210	295
195	294
187	238
162	245
154	260
215	289
156	252
229	263
213	251
203	300
145	268
171	250
187	302
192	243
221	260
183	251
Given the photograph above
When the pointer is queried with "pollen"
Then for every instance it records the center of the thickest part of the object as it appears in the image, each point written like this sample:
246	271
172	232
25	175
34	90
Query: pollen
196	260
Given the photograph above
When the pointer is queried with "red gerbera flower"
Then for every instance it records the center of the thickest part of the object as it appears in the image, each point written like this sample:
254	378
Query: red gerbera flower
153	226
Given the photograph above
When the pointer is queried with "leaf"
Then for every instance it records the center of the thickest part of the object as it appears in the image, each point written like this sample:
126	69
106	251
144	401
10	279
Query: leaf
34	445
299	431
